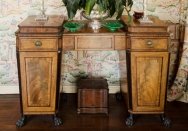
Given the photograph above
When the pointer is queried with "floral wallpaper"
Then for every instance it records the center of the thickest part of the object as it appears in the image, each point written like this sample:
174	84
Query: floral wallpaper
82	63
179	89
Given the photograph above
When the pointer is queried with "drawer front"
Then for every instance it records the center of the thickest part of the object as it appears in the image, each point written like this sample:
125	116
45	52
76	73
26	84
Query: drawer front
68	43
94	43
38	44
149	43
120	42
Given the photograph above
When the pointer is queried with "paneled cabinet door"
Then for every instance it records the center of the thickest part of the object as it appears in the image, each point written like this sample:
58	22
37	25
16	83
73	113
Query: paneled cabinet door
149	74
38	76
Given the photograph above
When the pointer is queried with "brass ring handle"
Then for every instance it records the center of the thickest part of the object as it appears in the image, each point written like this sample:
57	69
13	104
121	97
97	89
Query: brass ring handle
38	43
149	43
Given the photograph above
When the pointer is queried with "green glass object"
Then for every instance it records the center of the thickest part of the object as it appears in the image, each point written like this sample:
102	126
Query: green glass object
72	26
112	25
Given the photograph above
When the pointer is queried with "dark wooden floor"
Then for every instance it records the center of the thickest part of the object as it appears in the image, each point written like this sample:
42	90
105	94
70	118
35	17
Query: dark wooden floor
115	121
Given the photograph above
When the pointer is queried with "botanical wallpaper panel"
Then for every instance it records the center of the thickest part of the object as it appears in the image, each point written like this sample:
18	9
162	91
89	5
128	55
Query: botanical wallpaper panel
90	63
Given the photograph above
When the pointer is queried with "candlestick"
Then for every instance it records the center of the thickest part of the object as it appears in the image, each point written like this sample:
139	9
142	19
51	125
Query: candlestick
145	19
145	7
42	16
42	4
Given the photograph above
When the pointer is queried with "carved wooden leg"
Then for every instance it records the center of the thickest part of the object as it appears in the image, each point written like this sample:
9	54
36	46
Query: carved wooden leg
166	121
129	121
21	122
57	121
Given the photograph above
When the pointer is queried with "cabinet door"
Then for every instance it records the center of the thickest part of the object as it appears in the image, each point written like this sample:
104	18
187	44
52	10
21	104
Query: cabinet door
38	77
149	75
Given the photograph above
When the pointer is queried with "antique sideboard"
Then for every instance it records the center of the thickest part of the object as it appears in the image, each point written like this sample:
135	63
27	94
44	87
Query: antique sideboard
40	44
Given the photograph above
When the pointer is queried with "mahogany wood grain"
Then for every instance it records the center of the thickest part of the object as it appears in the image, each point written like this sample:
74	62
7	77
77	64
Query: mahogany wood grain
148	81
92	95
38	78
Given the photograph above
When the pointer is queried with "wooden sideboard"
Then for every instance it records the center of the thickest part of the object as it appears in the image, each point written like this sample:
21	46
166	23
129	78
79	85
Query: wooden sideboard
147	68
39	46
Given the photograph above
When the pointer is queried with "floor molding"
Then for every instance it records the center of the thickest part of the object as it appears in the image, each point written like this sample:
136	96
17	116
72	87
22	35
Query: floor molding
73	89
65	89
9	89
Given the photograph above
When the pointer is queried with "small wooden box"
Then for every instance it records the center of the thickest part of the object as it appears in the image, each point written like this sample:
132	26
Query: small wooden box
92	96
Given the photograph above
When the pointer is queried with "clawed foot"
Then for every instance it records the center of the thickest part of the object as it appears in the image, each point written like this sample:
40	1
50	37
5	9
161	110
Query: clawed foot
21	122
166	121
57	121
129	121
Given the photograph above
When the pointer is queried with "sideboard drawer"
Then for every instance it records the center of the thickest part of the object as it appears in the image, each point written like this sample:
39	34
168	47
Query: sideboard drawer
120	42
29	44
68	43
94	43
149	43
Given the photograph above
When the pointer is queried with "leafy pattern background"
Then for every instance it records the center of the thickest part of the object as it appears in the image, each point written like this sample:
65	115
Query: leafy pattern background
179	89
93	63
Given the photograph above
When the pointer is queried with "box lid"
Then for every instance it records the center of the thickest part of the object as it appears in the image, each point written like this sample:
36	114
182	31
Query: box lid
92	83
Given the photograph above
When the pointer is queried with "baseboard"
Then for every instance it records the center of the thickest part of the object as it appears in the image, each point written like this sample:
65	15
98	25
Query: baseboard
73	89
9	89
65	89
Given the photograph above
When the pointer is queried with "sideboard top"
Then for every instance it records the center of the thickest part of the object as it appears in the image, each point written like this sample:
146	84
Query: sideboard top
53	21
52	25
158	26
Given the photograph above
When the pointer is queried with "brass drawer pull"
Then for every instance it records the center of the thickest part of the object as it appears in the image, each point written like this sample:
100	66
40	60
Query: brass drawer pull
149	43
38	43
